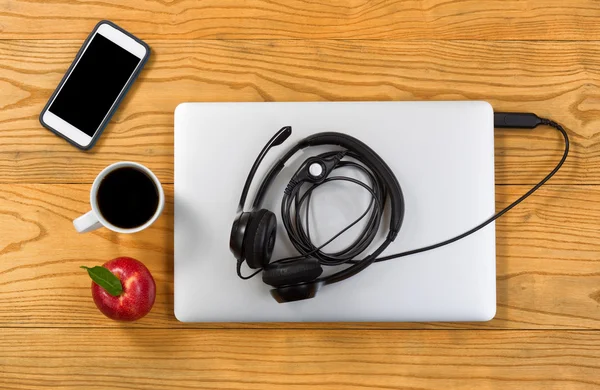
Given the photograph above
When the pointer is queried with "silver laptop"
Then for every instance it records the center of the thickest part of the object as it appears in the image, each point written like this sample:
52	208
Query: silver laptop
443	156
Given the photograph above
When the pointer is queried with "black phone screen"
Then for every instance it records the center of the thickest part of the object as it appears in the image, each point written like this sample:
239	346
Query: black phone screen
94	84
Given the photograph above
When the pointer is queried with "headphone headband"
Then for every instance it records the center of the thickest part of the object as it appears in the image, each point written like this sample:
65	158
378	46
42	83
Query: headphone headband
371	158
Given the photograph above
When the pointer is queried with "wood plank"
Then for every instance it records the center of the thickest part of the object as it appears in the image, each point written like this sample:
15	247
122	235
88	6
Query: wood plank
284	359
547	261
279	19
559	80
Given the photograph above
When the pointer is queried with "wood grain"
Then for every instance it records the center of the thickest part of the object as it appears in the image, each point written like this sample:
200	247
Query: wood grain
323	359
533	55
548	268
559	80
280	19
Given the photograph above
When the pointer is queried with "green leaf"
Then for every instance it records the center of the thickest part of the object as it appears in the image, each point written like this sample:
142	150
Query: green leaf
105	279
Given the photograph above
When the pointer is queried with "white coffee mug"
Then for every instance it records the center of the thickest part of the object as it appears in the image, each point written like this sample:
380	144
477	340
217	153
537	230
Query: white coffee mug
93	219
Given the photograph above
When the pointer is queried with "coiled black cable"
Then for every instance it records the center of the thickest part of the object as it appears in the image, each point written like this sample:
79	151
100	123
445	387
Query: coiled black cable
298	228
299	232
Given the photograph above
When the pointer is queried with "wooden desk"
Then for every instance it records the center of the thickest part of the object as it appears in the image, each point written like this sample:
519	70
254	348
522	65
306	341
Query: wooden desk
540	56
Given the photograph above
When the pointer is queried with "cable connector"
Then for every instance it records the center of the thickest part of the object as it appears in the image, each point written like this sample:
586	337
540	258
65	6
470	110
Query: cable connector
340	155
290	187
516	120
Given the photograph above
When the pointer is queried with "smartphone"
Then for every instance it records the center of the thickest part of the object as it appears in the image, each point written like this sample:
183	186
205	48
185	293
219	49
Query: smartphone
103	70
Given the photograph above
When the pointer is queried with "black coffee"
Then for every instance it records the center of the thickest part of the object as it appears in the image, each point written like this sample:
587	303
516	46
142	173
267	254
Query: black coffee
127	198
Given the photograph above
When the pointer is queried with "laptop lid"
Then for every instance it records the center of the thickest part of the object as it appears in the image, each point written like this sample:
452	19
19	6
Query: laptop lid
443	156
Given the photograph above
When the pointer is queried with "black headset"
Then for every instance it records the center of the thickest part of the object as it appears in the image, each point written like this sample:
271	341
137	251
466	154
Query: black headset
254	232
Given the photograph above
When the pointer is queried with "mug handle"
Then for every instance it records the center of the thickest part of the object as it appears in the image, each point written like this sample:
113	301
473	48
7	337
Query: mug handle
87	222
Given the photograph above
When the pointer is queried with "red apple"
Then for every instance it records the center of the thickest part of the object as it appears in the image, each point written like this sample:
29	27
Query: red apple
139	291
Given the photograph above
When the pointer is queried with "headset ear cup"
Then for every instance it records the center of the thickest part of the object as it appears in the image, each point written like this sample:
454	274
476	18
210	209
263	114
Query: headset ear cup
259	239
301	271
